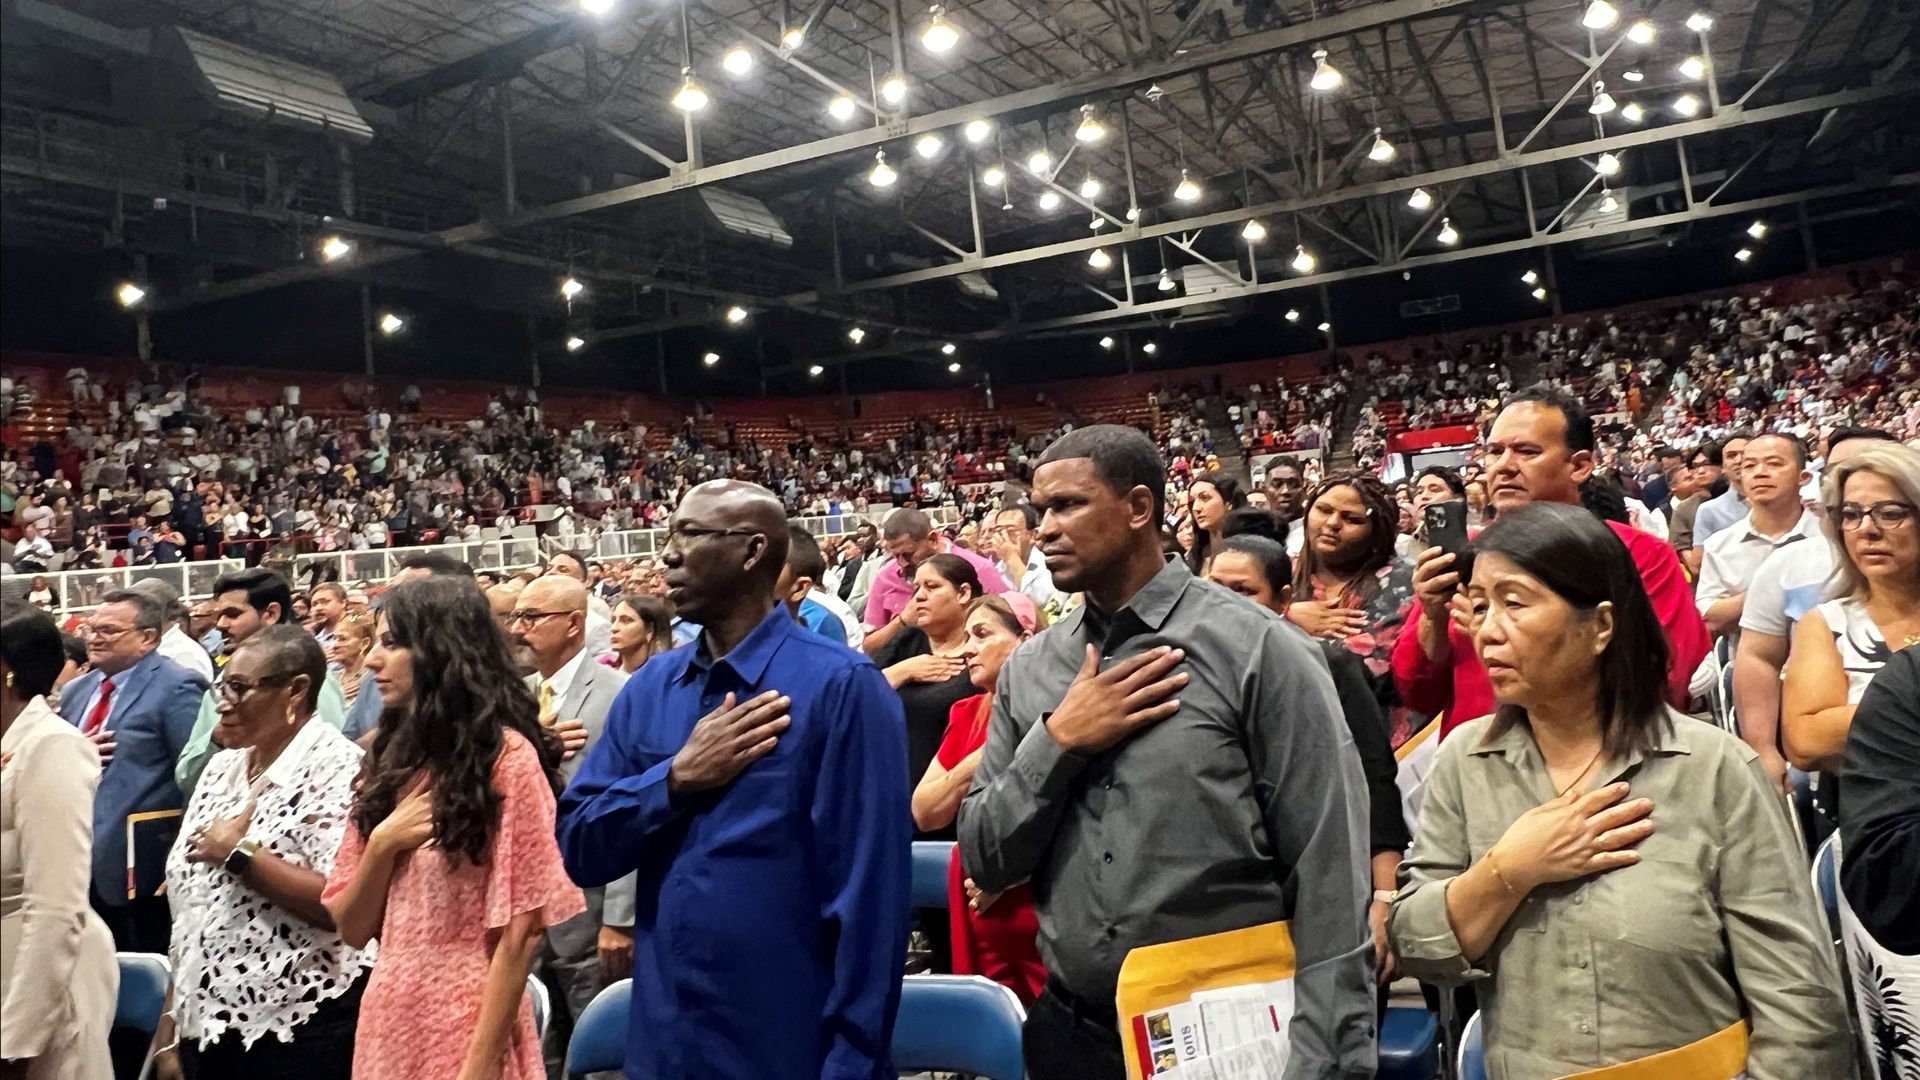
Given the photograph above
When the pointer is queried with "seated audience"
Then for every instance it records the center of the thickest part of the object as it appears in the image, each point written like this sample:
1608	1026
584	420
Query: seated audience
1620	879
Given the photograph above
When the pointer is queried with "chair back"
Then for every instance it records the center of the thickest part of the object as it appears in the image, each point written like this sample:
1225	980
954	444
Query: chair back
930	860
144	978
959	1023
542	1004
1826	883
599	1041
1409	1045
1473	1052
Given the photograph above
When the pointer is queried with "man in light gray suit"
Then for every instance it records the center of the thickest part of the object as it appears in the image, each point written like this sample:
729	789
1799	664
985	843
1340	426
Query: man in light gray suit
587	952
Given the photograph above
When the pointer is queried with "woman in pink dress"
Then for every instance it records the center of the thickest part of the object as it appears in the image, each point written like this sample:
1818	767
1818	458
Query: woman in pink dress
450	859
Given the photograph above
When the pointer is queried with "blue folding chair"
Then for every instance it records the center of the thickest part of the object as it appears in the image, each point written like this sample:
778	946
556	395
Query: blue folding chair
542	1004
930	860
1472	1064
599	1041
959	1023
1826	883
1409	1045
144	978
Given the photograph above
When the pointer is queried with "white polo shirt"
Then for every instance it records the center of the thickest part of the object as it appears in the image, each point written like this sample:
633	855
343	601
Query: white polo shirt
1733	555
1791	582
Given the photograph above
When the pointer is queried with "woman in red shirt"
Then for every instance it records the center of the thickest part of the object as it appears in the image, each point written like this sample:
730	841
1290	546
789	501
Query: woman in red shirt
993	935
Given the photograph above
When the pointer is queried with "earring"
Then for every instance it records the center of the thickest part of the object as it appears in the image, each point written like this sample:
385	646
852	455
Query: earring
9	680
289	716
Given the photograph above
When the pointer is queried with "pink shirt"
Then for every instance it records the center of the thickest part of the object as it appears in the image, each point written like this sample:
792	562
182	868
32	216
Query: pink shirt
891	590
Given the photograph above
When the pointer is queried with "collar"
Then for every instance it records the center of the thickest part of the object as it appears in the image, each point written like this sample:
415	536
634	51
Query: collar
286	768
1151	605
562	680
749	659
1518	746
1803	528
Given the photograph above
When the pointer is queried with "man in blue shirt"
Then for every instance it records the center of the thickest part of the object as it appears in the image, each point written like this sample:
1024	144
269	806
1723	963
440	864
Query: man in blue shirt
757	784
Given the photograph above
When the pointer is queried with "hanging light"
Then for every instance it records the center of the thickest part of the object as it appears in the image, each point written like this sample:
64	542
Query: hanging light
939	36
949	349
391	324
1099	259
954	368
1633	75
129	294
691	97
598	7
1096	223
1381	150
1539	294
736	315
1324	327
1757	230
1531	277
1253	232
993	176
1106	343
1166	280
1421	199
1325	76
1602	101
1186	190
856	335
710	359
1040	163
893	90
1607	164
928	146
883	174
793	38
1090	188
1687	105
1091	130
841	107
333	248
1133	213
1642	32
1743	254
1600	15
737	61
576	343
816	371
1699	22
571	288
1293	314
1150	348
1303	260
1447	235
977	130
1049	200
1693	68
1632	113
1608	204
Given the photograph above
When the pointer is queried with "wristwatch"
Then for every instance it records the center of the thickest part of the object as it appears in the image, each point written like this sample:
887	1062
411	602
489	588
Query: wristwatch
1385	896
241	857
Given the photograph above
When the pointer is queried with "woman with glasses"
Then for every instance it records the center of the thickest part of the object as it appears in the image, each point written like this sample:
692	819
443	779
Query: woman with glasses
262	983
460	759
1870	501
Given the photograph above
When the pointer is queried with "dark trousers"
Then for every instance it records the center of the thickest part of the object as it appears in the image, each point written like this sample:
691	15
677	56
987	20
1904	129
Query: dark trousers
1069	1038
141	925
322	1048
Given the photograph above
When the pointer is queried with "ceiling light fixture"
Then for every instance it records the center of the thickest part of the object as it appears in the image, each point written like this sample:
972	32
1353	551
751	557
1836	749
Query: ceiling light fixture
1150	348
1381	150
1531	277
1326	77
391	324
793	38
333	248
893	91
1600	15
1049	200
1090	188
1421	199
1106	343
1447	235
1607	164
976	131
940	35
1608	204
1096	223
737	61
954	368
1699	22
1091	130
1099	259
710	359
129	294
1632	113
1539	294
599	7
1687	105
1642	32
842	108
1757	230
1303	260
883	174
691	97
1166	280
571	288
1693	68
1744	254
1133	213
856	335
1186	190
1040	163
928	146
1325	327
736	315
949	348
993	176
1633	75
1253	232
1293	314
816	371
1602	101
576	343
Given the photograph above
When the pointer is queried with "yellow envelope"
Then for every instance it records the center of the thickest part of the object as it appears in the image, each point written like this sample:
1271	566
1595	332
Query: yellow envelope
1155	977
1720	1056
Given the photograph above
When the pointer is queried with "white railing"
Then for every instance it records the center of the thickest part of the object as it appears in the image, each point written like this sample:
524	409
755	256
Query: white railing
77	590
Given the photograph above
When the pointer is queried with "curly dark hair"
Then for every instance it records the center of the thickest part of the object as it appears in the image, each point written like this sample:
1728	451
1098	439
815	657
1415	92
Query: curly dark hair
1384	515
465	693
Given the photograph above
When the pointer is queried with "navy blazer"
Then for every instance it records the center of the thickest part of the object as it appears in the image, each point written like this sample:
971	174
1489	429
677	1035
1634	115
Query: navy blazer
150	730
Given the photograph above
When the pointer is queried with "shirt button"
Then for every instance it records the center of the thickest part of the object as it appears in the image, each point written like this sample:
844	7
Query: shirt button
1112	932
1579	898
1581	963
1107	857
1586	1028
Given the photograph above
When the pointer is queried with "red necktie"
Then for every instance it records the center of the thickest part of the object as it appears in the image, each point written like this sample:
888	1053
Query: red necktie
97	719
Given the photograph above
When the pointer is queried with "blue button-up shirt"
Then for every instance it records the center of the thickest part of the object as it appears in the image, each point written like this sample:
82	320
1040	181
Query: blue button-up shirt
771	915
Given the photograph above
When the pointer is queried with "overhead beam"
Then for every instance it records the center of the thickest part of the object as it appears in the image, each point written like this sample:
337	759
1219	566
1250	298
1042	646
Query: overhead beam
486	65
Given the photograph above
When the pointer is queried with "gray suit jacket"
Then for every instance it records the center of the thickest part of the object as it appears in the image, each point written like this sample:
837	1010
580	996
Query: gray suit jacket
587	700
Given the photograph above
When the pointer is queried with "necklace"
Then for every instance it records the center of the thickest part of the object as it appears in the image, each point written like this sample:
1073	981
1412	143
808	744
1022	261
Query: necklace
1591	762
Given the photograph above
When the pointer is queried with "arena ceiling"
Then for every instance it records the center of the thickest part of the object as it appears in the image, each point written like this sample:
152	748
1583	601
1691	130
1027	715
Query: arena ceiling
488	149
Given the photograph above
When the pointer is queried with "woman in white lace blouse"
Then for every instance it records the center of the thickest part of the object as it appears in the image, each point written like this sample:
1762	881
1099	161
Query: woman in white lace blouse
263	985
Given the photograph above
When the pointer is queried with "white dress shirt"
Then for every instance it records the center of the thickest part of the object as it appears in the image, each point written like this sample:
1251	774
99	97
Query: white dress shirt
1734	554
176	646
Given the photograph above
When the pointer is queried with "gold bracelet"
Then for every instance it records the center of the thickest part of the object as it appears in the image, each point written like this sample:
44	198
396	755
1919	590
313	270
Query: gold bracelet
1494	866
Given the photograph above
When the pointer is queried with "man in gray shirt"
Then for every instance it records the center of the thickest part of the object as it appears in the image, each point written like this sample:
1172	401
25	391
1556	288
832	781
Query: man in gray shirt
1164	763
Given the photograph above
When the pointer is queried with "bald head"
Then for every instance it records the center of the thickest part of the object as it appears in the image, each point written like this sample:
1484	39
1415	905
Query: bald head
551	622
555	592
726	548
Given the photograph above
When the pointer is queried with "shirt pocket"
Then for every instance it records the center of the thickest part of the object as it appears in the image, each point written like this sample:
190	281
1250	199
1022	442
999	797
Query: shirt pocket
1664	903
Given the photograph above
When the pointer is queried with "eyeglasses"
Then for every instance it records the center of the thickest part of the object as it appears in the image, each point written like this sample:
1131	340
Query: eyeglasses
1886	515
233	688
517	617
687	534
107	633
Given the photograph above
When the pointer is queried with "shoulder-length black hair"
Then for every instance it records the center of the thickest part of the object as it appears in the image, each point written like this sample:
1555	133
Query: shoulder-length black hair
1579	558
1383	519
465	691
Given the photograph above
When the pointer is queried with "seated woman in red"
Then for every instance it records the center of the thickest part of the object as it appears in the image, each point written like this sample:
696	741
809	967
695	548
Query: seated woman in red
993	935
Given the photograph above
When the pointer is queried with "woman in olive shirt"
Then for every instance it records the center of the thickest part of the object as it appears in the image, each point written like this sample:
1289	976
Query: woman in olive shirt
1623	878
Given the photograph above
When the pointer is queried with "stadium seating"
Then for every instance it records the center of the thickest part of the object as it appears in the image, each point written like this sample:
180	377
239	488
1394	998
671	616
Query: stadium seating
1472	1062
1826	882
599	1042
930	861
542	1004
1409	1045
959	1023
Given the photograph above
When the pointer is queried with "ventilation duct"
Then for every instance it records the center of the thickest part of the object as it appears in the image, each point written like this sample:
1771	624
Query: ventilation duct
198	77
744	215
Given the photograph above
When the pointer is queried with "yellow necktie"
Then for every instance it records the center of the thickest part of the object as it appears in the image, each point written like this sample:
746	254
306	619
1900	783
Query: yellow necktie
546	704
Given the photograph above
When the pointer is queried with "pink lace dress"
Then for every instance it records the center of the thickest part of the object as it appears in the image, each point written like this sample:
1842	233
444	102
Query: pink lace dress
423	998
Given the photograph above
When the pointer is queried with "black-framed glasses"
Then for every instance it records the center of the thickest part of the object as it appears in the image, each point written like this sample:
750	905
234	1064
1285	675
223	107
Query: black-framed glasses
1887	514
687	534
233	688
515	618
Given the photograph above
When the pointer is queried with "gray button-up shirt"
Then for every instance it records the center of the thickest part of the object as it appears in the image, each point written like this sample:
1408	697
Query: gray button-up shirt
1245	807
1715	924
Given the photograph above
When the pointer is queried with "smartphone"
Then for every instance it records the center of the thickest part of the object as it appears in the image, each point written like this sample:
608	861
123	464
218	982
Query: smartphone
1446	524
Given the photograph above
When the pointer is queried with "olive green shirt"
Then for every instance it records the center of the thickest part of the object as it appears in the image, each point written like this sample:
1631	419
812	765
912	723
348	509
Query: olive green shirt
1717	922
